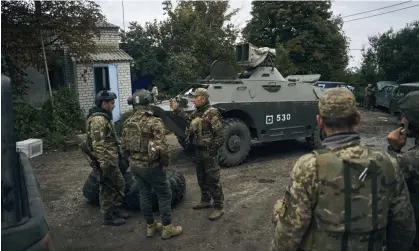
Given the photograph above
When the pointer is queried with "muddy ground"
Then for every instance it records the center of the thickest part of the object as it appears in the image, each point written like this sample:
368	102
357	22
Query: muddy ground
250	191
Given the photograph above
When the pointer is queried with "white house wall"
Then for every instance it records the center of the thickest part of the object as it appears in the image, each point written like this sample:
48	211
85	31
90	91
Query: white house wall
108	38
86	89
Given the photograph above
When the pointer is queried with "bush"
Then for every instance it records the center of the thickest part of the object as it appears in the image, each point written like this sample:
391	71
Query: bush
54	125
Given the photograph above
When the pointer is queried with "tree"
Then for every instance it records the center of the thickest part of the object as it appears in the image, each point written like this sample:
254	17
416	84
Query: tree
393	56
63	23
308	33
181	48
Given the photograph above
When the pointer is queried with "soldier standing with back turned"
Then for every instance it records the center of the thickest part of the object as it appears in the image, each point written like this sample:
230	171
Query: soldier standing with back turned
144	141
103	143
341	197
205	132
409	160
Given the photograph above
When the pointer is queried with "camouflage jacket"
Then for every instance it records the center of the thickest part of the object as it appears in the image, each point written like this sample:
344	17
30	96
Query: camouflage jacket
205	128
408	161
314	213
102	139
139	130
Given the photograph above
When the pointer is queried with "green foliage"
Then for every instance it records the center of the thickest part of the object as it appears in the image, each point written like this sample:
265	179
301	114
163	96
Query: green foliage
309	36
69	23
55	126
393	56
182	48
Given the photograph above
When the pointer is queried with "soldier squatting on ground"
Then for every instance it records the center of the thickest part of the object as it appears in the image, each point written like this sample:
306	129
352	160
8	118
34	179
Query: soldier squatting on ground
144	141
103	143
345	196
206	134
409	160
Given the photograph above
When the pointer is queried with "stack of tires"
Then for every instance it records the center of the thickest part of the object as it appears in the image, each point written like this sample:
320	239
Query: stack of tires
175	179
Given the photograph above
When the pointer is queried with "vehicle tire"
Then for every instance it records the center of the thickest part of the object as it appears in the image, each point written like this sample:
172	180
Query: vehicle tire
316	138
175	179
237	143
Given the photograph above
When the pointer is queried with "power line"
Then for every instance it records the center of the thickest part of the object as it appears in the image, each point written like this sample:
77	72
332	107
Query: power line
385	7
301	25
381	13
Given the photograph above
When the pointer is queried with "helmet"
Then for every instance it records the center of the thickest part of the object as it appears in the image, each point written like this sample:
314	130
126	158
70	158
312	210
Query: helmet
409	105
104	95
140	97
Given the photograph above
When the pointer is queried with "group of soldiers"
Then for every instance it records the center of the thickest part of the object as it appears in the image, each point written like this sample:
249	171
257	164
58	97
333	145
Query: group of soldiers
348	196
144	144
345	196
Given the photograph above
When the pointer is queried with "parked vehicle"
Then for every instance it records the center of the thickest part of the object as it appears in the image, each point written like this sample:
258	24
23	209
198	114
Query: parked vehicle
384	95
23	221
399	93
330	84
258	105
382	84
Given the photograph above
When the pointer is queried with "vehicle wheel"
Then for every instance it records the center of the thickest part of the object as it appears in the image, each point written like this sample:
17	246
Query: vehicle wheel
237	143
316	138
175	179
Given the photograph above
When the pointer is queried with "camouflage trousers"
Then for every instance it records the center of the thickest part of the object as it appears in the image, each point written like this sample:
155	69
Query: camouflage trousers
208	176
154	179
414	198
109	198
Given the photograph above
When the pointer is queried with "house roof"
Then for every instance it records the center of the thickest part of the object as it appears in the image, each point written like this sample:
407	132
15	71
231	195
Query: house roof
109	54
104	24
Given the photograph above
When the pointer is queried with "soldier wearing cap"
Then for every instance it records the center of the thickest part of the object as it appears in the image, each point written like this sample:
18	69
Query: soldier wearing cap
341	197
205	132
409	160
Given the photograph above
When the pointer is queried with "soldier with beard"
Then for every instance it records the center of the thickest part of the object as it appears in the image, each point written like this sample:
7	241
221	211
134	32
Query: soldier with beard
409	160
103	143
205	133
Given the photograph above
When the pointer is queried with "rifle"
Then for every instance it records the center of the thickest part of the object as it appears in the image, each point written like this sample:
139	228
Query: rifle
94	163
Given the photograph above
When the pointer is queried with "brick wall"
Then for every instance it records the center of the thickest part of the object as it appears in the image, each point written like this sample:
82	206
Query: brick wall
108	37
86	89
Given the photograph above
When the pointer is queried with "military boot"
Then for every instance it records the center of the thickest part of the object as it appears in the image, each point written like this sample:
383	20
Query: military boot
216	214
120	213
153	228
170	231
113	221
202	205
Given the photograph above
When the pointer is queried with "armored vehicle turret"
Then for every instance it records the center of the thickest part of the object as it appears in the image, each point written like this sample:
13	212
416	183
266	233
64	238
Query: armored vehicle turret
258	104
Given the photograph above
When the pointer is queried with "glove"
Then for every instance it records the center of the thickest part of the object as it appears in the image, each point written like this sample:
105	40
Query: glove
278	210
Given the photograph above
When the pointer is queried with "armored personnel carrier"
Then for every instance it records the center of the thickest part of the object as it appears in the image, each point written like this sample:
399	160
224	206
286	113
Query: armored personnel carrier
258	104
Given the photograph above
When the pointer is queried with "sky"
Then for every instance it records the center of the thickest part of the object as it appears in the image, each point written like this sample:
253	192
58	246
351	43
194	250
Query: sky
357	31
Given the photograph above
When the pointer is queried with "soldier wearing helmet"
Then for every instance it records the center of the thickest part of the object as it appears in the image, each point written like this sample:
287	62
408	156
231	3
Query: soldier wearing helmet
103	143
144	141
346	196
368	97
206	134
409	160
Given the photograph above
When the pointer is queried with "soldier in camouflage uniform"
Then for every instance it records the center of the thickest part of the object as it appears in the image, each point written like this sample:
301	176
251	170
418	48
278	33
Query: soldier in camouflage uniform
144	141
341	196
205	132
409	160
103	144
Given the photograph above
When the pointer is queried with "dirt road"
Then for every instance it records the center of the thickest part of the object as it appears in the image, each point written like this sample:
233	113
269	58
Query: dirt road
250	191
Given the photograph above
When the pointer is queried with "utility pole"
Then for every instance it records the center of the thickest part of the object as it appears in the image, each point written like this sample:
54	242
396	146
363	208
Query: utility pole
123	16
